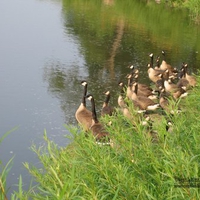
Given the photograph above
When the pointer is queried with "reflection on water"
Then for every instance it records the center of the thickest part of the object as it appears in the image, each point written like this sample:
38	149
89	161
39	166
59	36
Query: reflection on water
111	38
62	83
108	2
113	51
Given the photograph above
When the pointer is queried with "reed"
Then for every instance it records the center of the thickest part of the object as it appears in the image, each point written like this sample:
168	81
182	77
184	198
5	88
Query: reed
4	170
3	177
192	6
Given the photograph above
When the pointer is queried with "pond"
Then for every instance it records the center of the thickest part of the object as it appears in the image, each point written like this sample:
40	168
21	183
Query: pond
49	46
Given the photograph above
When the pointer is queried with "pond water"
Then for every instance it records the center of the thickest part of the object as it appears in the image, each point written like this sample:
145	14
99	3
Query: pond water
49	46
33	41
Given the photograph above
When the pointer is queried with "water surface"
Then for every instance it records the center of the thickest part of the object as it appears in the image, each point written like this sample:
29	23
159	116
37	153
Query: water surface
32	39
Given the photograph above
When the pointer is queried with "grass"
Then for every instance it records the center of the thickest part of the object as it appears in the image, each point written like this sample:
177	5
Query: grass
193	7
4	170
135	168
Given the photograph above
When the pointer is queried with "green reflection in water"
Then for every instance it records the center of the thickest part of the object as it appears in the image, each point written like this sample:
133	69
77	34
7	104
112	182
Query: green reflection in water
111	36
143	28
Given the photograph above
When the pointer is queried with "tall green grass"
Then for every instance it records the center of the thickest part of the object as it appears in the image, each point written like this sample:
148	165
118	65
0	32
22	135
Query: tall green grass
137	167
193	7
4	171
3	177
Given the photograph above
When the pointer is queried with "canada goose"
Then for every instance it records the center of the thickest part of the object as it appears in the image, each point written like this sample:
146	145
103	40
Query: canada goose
164	102
181	93
129	90
160	82
132	68
163	76
106	108
83	115
120	99
151	59
170	86
144	102
153	74
157	73
183	82
169	127
164	65
191	79
123	106
146	92
130	87
157	63
143	90
150	132
142	86
96	127
177	92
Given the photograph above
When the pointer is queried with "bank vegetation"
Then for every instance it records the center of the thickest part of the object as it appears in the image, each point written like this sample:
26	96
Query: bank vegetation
193	7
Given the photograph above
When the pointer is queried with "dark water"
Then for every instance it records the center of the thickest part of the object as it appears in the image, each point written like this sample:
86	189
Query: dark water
47	47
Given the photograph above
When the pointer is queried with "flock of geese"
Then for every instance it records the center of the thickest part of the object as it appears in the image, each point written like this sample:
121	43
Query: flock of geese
167	83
